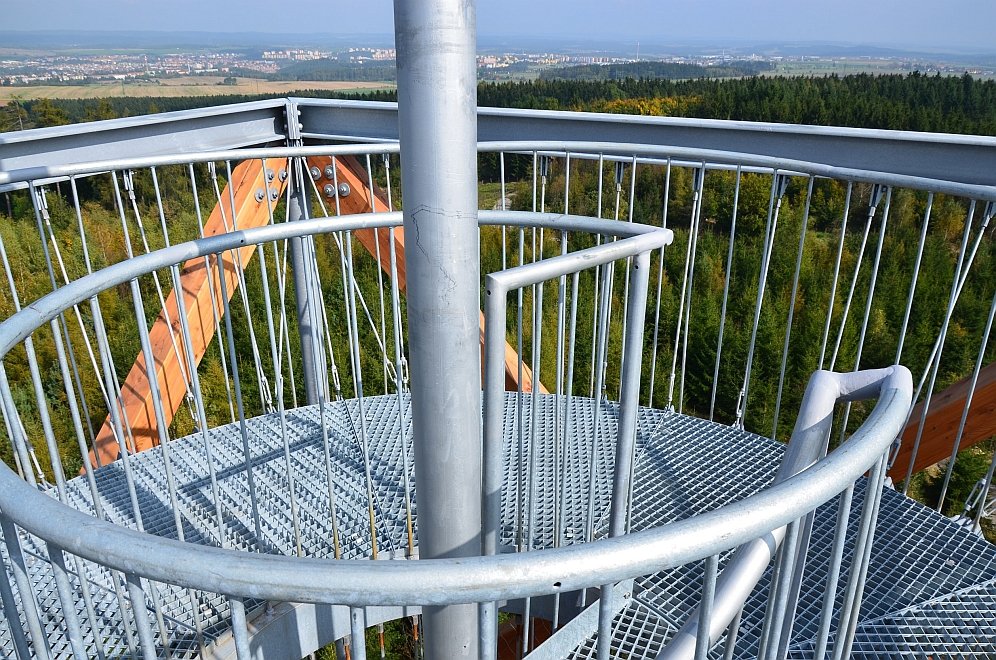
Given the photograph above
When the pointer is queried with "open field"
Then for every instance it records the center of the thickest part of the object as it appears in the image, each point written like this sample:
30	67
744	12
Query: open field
185	86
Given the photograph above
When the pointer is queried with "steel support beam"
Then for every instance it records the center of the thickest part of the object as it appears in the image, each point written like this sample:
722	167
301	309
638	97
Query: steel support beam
961	158
437	88
188	131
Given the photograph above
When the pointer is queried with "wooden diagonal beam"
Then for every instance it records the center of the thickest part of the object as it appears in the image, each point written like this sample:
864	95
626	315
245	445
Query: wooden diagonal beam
136	406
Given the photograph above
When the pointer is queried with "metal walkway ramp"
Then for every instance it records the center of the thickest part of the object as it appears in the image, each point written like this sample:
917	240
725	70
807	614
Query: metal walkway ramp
931	586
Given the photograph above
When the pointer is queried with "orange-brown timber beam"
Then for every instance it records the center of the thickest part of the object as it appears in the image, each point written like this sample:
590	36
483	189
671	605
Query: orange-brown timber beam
941	426
351	172
136	406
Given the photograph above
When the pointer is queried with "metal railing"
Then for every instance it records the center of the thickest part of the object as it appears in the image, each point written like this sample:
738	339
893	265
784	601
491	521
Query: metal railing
584	326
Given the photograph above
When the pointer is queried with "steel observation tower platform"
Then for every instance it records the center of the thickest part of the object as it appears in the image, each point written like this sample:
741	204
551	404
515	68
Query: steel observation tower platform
478	372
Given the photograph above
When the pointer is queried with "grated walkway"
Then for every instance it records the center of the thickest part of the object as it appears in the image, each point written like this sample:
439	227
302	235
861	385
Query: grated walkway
931	588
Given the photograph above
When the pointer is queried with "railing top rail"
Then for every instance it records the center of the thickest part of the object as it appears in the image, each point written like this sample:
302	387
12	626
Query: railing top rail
584	148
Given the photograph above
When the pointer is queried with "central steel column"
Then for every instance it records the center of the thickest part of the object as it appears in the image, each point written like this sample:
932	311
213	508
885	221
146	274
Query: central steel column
437	99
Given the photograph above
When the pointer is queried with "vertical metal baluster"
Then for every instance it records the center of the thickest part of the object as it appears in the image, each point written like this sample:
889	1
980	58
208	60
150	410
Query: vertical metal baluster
38	389
660	287
833	572
859	565
568	436
559	459
686	289
836	272
64	324
185	361
67	601
141	615
726	294
909	307
791	314
358	628
915	277
705	609
968	405
399	366
380	274
493	407
626	437
596	282
261	381
214	298
86	336
519	399
732	632
609	294
354	341
199	405
593	462
876	196
114	386
696	221
778	184
534	441
240	628
17	637
781	592
29	606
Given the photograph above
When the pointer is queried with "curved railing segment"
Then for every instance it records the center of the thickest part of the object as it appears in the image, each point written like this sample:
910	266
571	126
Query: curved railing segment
436	581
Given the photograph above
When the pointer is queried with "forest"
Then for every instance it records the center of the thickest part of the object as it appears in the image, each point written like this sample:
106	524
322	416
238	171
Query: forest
913	102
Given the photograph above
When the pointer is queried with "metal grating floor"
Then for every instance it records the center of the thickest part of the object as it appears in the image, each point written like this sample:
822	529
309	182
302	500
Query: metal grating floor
931	587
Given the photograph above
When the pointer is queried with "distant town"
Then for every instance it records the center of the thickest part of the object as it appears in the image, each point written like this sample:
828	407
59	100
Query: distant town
65	67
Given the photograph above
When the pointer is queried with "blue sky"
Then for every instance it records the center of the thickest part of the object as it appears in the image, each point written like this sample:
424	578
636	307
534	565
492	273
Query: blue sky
965	25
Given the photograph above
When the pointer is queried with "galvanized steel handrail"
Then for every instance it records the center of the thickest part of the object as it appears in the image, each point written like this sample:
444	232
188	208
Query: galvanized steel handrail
440	581
443	581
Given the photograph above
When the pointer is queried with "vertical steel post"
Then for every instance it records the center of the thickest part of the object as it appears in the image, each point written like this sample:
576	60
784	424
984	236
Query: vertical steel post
437	98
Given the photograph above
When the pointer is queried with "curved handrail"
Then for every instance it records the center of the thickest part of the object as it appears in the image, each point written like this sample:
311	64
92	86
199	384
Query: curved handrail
436	581
690	154
807	444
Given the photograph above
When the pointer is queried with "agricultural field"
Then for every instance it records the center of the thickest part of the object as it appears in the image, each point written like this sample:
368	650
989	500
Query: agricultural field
184	86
